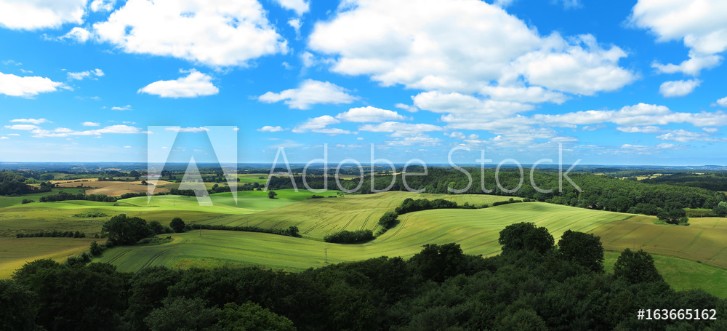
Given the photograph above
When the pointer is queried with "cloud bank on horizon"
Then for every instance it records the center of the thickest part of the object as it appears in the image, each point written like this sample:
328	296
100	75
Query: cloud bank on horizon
615	83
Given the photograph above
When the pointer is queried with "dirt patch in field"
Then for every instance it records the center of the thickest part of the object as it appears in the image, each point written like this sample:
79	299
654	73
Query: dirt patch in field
112	188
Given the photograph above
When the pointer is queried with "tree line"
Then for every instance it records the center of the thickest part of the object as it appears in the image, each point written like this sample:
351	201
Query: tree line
533	284
13	183
598	192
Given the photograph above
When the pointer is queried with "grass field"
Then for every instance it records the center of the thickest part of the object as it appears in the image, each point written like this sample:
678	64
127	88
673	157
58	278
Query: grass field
16	252
16	217
112	188
684	274
684	252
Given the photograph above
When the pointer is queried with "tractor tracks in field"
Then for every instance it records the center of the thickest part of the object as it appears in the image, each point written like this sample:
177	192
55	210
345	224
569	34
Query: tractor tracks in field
154	258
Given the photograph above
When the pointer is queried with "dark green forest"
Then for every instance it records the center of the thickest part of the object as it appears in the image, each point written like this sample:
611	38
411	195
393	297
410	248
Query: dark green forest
533	285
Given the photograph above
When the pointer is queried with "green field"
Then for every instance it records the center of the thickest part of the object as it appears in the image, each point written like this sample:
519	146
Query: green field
689	257
16	217
475	230
684	274
16	252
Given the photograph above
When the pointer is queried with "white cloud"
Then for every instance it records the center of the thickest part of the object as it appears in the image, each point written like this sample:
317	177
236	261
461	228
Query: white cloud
678	88
22	127
409	108
398	129
26	86
699	24
638	115
639	129
369	114
35	121
91	124
95	73
320	125
196	84
188	129
722	102
309	93
692	66
417	140
121	108
300	7
579	66
269	128
230	33
39	132
503	3
102	5
295	23
461	46
683	136
40	14
77	34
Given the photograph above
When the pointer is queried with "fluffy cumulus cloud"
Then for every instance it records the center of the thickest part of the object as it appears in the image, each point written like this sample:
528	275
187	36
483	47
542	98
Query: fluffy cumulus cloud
309	93
196	84
369	114
701	25
475	64
91	124
228	33
320	125
40	14
463	46
722	102
678	88
102	5
300	7
26	86
77	34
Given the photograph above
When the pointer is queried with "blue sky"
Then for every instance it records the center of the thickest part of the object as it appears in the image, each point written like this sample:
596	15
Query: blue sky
619	82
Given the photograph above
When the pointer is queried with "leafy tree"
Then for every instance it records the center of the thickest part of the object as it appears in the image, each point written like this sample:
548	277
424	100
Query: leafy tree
721	209
95	249
75	298
251	316
181	314
350	237
439	262
582	248
177	225
19	307
147	289
525	237
293	231
674	216
388	220
636	267
123	230
524	319
272	194
156	227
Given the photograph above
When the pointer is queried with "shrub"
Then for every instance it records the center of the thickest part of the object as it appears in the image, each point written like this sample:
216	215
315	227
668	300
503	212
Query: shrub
350	237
